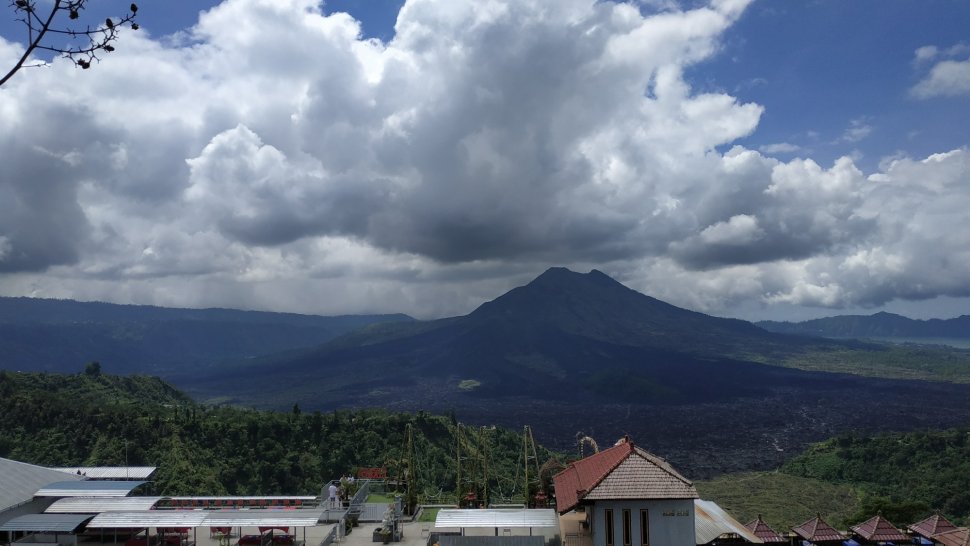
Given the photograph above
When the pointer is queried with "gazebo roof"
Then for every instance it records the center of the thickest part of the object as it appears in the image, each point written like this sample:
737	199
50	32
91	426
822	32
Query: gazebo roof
956	537
816	530
878	529
932	525
764	532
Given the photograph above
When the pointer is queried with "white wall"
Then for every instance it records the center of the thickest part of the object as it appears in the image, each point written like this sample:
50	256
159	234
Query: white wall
671	522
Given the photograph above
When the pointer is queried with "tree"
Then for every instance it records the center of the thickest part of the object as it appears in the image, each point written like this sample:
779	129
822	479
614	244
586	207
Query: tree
93	369
82	44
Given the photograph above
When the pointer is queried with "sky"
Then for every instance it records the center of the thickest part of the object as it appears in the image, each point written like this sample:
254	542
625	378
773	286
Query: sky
748	158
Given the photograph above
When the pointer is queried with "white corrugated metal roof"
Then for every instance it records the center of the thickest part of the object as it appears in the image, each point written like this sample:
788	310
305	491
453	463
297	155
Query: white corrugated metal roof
250	498
711	521
206	518
110	472
89	488
96	505
40	523
263	518
497	518
19	481
148	518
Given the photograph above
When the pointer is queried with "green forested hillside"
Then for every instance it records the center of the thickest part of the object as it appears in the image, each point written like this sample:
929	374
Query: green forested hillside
920	470
93	419
848	479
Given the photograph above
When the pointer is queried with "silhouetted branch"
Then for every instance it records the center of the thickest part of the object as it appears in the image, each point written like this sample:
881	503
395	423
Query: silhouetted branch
93	40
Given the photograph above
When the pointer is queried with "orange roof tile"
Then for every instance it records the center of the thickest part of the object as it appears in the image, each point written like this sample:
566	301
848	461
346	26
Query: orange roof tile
816	530
623	471
932	525
764	532
878	529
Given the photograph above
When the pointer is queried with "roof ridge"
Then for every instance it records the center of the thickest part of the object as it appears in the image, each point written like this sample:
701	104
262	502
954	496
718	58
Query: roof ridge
662	463
630	449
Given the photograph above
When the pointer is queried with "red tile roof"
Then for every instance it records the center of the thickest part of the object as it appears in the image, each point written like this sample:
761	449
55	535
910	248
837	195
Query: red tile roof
816	530
932	525
764	532
623	471
878	529
955	537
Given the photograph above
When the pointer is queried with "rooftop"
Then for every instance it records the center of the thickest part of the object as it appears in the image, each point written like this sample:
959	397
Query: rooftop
22	480
878	529
764	532
623	471
816	530
932	525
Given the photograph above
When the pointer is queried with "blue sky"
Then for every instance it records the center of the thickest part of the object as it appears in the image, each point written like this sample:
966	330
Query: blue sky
816	66
760	159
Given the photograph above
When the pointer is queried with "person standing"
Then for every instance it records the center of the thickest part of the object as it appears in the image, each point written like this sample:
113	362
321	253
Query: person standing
333	495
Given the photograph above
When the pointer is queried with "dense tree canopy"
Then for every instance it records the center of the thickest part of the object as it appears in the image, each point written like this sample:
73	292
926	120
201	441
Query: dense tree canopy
905	476
85	419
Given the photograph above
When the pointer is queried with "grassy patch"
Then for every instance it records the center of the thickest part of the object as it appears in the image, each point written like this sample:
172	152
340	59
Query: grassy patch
383	498
429	514
469	384
894	361
782	500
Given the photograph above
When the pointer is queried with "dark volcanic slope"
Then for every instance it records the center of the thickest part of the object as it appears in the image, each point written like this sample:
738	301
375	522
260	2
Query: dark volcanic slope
563	335
571	352
879	325
62	335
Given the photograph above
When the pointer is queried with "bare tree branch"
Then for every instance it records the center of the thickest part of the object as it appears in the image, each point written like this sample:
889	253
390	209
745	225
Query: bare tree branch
82	46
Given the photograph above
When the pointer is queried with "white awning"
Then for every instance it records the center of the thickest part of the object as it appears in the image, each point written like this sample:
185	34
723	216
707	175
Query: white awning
96	505
263	518
148	518
497	518
46	523
110	472
206	518
88	488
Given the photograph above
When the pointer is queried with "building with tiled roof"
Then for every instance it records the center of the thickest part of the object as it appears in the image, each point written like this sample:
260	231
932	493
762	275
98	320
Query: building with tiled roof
630	497
764	532
959	536
878	529
817	531
932	525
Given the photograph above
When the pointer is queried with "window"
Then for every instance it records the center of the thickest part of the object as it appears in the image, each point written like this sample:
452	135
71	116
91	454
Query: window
609	528
644	528
627	527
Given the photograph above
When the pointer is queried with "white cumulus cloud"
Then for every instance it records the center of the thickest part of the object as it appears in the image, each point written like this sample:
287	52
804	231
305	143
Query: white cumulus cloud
270	157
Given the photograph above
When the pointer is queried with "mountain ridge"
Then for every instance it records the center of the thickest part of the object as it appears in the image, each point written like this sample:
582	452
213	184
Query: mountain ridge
61	335
877	325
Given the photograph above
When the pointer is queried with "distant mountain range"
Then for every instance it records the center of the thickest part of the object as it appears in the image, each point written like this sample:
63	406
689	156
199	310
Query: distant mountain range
573	352
877	326
62	335
566	353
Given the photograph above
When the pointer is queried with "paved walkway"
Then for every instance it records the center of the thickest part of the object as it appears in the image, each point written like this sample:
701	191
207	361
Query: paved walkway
364	535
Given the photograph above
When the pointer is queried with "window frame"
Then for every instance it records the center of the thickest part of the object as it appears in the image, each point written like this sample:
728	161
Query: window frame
627	527
610	531
644	527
